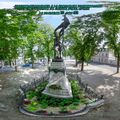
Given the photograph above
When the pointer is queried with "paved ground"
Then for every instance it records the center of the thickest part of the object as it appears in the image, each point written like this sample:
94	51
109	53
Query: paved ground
103	80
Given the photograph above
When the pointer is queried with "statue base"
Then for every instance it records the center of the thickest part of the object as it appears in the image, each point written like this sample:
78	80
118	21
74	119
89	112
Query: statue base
58	85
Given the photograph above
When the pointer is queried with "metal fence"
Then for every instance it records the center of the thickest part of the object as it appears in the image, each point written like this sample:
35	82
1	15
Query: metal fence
24	88
89	92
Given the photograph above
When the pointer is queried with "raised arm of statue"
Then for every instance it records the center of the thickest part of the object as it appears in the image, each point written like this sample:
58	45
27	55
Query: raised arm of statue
62	27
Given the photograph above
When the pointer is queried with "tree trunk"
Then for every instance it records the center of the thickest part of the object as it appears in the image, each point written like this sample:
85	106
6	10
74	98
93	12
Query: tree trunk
2	63
48	59
76	62
10	63
16	68
118	63
32	63
48	53
15	62
82	65
24	60
32	60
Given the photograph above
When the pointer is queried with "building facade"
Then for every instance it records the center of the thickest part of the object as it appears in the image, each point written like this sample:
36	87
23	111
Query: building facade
105	56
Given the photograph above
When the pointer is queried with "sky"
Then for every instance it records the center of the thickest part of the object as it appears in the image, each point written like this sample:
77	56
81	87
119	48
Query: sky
54	20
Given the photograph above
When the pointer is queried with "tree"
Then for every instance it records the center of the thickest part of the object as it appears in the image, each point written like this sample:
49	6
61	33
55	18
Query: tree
111	21
86	35
29	29
17	29
47	42
9	41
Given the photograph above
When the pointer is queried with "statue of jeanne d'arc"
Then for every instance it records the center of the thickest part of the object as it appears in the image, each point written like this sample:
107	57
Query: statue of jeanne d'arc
57	43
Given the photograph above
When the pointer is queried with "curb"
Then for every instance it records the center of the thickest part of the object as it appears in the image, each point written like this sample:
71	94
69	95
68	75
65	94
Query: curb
81	112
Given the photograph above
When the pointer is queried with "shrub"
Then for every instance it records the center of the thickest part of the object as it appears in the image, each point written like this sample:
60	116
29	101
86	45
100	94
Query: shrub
33	106
84	101
76	103
41	87
63	109
30	94
72	107
75	88
43	105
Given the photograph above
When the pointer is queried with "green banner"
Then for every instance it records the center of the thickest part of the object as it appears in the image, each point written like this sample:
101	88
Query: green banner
56	7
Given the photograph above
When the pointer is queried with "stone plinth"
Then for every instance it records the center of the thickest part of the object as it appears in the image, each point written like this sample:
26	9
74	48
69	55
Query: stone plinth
58	85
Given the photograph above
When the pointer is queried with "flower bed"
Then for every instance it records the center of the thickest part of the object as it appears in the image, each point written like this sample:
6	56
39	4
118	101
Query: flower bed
32	102
36	101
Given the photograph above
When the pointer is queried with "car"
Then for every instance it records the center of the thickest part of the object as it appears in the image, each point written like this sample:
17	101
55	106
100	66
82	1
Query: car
26	65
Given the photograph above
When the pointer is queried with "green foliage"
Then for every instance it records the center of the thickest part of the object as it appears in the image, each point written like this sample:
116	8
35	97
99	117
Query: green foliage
47	43
34	106
72	107
110	20
34	93
9	40
31	108
43	105
75	88
54	102
76	103
63	109
84	101
22	34
34	103
41	87
15	26
85	37
31	94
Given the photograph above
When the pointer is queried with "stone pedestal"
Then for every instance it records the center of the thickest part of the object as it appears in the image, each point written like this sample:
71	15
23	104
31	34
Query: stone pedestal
58	85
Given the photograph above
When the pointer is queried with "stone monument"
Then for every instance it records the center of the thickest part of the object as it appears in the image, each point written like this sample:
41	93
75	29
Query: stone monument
58	85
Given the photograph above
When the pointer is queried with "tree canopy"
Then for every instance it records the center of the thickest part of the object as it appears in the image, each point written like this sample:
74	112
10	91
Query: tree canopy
111	21
22	34
86	35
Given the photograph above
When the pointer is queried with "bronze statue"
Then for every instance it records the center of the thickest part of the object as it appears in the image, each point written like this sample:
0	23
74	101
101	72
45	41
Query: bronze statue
63	25
57	43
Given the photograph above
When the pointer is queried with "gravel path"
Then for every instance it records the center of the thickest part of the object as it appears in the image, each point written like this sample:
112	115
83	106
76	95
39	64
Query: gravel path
100	79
